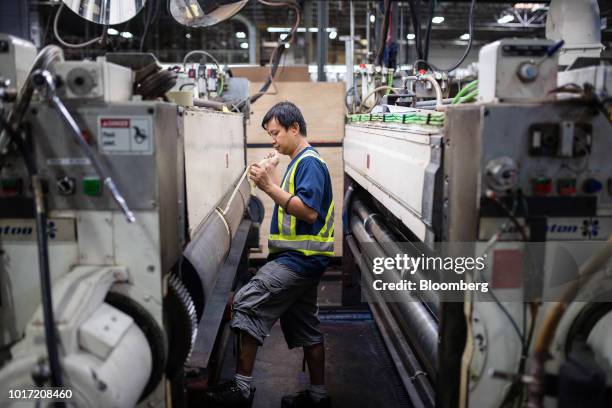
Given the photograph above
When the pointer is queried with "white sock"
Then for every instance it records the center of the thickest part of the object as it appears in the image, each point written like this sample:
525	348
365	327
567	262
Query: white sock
244	383
317	392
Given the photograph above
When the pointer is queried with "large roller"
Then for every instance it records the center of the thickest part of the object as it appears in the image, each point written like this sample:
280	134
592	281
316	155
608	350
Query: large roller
415	320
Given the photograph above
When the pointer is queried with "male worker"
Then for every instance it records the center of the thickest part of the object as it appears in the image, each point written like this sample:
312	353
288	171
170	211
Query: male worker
300	243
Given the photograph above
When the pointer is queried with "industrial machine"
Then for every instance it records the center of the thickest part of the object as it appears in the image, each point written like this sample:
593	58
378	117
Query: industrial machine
133	208
520	178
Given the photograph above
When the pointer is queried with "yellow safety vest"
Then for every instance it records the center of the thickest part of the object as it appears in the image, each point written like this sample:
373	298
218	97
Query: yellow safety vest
287	239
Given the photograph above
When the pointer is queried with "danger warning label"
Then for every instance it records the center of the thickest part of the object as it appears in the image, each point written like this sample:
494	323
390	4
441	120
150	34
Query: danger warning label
121	135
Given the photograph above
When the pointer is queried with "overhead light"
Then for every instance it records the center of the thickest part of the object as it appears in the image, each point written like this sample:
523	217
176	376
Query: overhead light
126	34
240	34
410	36
278	29
464	37
187	36
333	35
372	18
437	19
112	31
529	6
505	19
244	45
287	45
283	36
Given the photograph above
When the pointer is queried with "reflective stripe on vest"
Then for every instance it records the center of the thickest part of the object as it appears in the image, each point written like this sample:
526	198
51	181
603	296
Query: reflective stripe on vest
287	238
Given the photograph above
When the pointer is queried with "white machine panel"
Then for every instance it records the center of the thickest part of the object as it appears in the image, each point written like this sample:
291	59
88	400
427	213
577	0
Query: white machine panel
515	70
396	164
214	159
16	59
99	80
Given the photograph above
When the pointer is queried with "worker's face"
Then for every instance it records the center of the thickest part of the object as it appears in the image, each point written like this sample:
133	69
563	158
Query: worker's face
283	140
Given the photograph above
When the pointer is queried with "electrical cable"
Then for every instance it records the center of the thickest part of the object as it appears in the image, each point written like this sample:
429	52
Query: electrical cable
152	12
51	337
415	14
470	40
201	52
423	60
384	32
432	7
278	51
66	44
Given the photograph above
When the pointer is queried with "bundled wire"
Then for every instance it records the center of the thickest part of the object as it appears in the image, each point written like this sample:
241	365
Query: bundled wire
67	44
466	93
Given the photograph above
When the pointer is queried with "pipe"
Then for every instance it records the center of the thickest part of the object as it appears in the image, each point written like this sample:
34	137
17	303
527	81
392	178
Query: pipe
414	319
436	85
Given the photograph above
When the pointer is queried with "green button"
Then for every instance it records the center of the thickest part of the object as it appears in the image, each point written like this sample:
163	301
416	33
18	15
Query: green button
92	186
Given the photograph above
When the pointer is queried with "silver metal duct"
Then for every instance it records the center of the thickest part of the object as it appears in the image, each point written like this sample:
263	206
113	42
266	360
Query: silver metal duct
212	239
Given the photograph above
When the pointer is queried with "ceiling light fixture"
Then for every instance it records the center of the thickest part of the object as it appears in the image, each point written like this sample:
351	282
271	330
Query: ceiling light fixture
505	19
437	20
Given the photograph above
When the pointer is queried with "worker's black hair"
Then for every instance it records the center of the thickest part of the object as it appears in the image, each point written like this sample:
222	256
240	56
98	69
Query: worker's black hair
286	114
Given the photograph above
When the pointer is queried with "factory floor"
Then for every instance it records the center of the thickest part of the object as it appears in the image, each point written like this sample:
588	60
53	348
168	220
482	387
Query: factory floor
359	372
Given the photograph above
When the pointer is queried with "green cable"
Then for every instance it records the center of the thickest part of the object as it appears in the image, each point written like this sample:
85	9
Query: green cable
389	83
222	85
464	90
469	96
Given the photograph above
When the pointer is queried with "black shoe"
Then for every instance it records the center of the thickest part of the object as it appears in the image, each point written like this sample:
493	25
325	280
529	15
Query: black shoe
304	400
228	394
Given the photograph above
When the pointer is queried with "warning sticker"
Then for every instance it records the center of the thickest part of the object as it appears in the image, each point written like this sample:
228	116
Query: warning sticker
121	135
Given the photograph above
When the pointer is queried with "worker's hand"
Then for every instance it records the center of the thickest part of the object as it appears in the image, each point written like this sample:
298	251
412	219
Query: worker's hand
273	157
260	177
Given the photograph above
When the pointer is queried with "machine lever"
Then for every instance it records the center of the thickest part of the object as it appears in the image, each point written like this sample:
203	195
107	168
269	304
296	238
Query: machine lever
43	80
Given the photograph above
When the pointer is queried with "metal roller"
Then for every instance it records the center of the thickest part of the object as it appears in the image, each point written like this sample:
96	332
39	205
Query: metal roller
375	226
414	319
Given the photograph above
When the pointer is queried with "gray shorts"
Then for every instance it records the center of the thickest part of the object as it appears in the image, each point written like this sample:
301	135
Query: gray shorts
278	292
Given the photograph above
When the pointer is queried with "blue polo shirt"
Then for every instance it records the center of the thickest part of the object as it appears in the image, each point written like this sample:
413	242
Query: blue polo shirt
313	186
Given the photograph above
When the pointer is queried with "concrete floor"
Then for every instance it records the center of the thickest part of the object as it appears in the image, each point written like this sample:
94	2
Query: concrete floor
359	371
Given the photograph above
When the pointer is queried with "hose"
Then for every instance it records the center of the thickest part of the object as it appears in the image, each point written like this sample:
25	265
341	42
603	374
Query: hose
546	333
67	44
436	85
380	88
51	338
